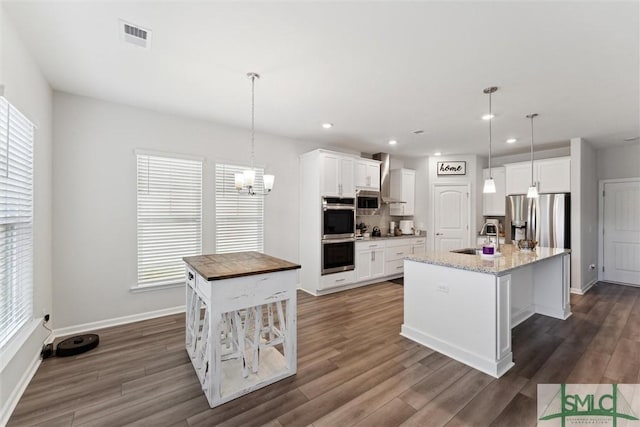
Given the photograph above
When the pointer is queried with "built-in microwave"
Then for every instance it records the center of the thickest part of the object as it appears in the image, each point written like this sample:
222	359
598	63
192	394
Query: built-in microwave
338	218
367	202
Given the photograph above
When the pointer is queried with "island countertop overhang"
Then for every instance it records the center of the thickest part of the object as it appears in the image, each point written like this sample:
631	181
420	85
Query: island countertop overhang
511	258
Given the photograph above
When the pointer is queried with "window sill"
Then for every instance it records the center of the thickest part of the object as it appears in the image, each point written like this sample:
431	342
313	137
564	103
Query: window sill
15	344
156	287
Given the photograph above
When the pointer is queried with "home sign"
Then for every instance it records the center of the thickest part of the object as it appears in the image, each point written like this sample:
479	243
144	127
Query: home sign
452	168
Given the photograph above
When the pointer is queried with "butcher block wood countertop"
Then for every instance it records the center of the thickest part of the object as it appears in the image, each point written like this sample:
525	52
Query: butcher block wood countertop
237	264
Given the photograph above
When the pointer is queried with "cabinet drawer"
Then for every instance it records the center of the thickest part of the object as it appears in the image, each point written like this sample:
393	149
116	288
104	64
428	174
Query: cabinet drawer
368	245
418	241
394	267
190	278
397	252
203	288
337	279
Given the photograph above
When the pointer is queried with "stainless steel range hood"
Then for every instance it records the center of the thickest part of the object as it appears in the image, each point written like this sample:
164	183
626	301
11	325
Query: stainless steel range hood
385	178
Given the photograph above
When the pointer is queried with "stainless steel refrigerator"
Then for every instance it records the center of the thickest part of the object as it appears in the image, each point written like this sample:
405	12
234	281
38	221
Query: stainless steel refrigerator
546	219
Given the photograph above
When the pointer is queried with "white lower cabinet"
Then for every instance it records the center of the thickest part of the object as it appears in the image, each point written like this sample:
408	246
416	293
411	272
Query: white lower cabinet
369	261
385	258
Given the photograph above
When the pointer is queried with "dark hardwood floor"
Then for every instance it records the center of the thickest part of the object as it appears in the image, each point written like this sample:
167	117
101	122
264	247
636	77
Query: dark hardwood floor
353	369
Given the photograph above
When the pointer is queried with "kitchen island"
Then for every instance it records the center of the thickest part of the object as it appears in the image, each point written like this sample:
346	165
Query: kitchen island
464	306
246	337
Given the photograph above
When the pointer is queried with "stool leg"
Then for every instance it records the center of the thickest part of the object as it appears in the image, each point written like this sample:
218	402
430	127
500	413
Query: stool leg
256	337
239	332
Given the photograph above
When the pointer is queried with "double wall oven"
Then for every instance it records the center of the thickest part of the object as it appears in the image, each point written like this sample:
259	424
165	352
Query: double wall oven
338	234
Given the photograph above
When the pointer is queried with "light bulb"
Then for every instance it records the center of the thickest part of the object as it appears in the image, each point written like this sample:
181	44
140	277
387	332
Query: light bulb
532	192
249	176
268	182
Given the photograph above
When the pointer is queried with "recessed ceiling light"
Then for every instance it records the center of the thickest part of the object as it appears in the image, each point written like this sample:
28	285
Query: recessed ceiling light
327	125
511	140
488	116
392	142
437	154
418	131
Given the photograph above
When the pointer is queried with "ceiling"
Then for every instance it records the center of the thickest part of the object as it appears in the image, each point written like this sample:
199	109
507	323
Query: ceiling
376	70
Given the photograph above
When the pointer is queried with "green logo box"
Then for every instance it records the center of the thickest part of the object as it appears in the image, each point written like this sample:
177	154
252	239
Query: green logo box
592	405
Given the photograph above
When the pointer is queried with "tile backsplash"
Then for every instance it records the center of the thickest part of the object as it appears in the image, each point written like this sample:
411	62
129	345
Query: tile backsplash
381	220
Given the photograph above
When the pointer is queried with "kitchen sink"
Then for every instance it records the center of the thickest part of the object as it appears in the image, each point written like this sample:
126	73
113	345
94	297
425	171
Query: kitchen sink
466	251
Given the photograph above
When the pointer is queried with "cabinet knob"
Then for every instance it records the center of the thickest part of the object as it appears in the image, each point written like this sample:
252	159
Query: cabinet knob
190	276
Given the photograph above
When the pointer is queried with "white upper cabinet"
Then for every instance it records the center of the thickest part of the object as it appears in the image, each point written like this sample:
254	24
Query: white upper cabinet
367	174
550	175
493	204
518	177
553	175
337	176
403	187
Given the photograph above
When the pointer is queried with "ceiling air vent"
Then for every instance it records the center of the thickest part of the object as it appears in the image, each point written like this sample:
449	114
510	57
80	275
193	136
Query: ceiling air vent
135	34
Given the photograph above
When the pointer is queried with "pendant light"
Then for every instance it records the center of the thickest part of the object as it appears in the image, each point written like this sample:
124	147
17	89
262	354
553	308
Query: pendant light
489	183
532	193
246	181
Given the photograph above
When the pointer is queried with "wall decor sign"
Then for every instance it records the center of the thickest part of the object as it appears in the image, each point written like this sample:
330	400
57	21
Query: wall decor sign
452	168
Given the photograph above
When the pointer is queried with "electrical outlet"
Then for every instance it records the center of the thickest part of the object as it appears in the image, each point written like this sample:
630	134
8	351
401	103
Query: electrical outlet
442	288
47	317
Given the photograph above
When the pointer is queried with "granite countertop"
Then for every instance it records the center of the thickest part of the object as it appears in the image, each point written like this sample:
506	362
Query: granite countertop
237	264
511	259
390	237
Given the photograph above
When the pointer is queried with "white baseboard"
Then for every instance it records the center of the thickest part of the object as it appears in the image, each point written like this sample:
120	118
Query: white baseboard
101	324
9	406
490	367
584	289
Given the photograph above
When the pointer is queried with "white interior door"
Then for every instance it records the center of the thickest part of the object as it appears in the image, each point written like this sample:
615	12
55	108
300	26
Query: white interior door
621	239
451	216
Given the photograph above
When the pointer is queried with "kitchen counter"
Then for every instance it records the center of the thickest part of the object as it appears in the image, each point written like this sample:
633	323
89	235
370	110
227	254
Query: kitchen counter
390	237
465	306
246	338
510	259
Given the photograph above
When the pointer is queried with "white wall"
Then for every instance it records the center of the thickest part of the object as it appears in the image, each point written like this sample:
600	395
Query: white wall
427	175
620	161
537	155
26	88
95	204
584	215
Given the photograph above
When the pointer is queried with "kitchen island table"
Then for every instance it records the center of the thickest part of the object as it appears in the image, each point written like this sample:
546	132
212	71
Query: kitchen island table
464	305
240	322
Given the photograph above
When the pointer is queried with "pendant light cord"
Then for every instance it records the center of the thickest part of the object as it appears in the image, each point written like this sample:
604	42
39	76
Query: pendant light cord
532	116
490	120
253	113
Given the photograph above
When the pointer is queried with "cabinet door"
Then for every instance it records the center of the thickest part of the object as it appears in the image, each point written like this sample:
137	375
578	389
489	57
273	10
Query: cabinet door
409	191
518	177
346	182
495	203
360	174
554	175
373	175
377	262
330	172
363	265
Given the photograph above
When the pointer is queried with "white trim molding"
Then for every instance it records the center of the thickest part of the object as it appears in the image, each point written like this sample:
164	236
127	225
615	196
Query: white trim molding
601	185
101	324
10	405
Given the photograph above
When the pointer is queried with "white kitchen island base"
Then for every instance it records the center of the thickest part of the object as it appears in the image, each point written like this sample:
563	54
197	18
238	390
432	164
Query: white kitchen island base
466	311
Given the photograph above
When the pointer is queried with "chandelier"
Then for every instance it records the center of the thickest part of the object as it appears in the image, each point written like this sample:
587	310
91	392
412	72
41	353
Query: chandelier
245	181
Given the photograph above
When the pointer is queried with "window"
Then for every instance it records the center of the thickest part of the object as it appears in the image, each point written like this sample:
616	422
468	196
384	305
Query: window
169	217
239	217
16	220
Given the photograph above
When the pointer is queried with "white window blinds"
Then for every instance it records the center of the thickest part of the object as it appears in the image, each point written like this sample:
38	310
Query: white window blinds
239	217
169	217
16	220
